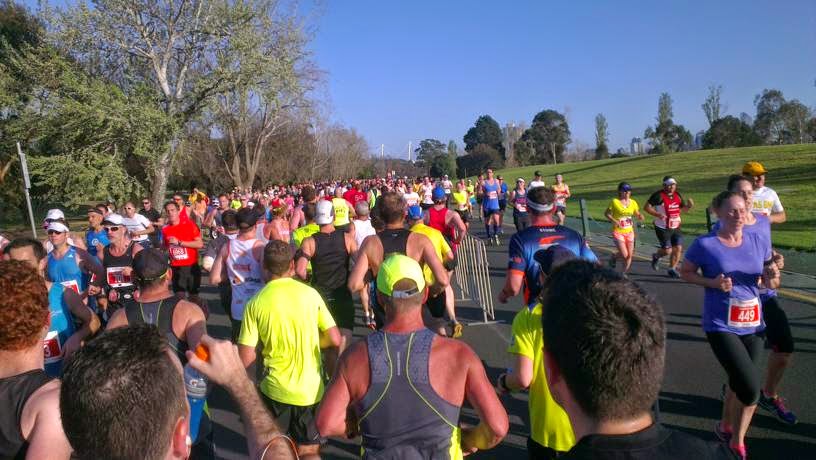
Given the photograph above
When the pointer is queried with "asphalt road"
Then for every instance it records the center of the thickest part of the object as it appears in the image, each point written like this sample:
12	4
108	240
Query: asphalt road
689	399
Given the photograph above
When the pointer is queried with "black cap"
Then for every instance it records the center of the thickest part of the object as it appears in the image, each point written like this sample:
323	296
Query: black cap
246	217
537	173
150	264
552	257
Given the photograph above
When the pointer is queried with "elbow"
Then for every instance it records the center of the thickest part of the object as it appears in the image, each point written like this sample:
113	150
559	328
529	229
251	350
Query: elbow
499	429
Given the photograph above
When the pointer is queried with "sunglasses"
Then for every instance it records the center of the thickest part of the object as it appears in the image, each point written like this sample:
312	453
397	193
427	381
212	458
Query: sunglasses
113	228
54	232
145	202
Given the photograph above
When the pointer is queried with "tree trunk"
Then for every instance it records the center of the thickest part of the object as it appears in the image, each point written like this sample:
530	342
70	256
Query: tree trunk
161	175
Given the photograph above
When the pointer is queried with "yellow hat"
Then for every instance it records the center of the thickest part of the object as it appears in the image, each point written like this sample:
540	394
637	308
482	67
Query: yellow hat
398	267
754	168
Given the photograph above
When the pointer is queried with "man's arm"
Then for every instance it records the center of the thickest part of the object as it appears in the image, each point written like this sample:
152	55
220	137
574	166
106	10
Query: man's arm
331	414
456	221
195	325
41	425
523	375
90	322
224	367
304	255
218	266
88	264
247	355
652	211
330	337
778	217
197	243
479	392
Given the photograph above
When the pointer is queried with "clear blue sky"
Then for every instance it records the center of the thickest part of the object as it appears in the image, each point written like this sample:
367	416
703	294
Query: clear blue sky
402	71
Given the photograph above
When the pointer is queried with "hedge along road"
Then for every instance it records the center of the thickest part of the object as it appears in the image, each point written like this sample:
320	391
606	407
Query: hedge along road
689	399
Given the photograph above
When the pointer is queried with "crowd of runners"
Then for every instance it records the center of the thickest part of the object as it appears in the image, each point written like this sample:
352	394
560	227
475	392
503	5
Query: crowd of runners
98	328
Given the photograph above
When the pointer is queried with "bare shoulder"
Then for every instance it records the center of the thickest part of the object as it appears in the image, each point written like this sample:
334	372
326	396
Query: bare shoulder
455	352
119	319
189	309
44	400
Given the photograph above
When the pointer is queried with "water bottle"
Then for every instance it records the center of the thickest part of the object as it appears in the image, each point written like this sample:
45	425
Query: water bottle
196	385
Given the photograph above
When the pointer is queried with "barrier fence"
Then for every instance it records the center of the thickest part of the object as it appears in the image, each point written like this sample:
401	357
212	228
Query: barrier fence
472	275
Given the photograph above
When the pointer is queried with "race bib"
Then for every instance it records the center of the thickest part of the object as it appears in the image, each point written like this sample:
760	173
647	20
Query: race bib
178	253
674	222
52	348
492	195
117	277
72	285
744	313
626	222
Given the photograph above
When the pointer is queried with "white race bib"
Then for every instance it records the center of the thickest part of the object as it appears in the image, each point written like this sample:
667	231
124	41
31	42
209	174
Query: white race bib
178	253
744	313
117	277
674	222
72	285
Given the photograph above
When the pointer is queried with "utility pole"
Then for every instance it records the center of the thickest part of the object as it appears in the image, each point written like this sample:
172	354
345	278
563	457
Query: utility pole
409	150
382	151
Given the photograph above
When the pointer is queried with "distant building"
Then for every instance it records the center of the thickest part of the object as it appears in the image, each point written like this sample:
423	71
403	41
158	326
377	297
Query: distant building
636	146
698	140
621	151
512	133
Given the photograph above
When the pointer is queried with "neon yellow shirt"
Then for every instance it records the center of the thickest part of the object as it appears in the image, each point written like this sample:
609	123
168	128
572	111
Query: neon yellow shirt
287	317
235	204
549	424
441	247
460	200
341	211
304	232
622	215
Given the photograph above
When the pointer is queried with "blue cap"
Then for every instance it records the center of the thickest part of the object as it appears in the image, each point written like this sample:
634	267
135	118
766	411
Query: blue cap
414	212
438	193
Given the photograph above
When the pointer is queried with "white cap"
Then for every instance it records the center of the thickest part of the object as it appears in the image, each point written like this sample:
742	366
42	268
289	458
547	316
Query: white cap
669	181
114	219
57	226
54	214
324	213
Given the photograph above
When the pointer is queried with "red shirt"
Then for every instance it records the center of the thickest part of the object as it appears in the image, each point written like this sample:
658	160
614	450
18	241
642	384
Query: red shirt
181	256
354	196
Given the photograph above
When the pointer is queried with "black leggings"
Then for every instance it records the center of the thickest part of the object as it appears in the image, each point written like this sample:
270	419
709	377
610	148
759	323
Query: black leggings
777	328
737	354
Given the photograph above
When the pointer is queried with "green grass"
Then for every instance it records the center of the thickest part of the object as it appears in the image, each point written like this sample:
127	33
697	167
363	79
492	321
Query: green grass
700	175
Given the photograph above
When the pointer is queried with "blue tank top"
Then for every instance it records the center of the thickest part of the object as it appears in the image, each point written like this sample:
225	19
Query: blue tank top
60	330
491	197
92	238
66	270
401	415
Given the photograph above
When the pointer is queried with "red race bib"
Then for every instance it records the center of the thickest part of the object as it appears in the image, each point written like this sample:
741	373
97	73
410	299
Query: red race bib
744	313
52	348
178	252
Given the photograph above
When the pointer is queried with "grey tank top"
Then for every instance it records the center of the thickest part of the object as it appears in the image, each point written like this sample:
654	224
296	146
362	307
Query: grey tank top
401	416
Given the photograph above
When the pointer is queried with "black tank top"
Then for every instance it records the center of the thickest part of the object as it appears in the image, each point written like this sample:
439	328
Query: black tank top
125	260
159	314
394	240
330	261
14	393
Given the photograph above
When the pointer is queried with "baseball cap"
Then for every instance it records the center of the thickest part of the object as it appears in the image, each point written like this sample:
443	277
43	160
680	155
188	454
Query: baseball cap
624	187
754	168
150	264
57	227
54	214
438	193
114	219
669	180
324	214
414	212
537	173
96	211
398	267
246	217
553	257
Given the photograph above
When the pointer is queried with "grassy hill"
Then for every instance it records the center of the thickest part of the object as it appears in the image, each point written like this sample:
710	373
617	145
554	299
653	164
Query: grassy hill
700	175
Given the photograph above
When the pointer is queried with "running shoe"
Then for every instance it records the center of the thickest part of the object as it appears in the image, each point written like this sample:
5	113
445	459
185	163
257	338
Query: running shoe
497	240
613	262
740	451
655	261
673	273
722	435
777	407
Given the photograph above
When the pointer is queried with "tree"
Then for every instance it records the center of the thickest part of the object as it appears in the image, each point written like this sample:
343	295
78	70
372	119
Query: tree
794	117
712	106
769	123
730	132
485	131
601	137
524	152
176	48
810	128
667	137
665	112
453	154
549	135
483	156
433	156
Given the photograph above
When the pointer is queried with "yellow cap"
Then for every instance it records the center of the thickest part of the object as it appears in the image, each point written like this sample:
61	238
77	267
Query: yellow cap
753	168
398	267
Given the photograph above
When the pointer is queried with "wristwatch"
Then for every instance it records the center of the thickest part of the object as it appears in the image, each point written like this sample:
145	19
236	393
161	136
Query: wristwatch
502	383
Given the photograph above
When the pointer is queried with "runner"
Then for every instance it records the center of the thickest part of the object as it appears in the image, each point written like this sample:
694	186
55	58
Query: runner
523	271
518	199
437	306
329	251
182	240
538	180
766	201
308	196
426	193
213	219
70	266
56	215
292	324
620	212
154	216
240	261
732	261
278	227
371	395
562	193
667	205
362	230
490	204
461	203
96	237
446	221
411	198
229	227
394	238
550	431
30	420
343	210
139	227
502	203
70	323
447	185
117	259
604	361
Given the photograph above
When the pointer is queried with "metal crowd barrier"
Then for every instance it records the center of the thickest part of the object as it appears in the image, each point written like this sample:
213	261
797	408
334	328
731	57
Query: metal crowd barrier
472	275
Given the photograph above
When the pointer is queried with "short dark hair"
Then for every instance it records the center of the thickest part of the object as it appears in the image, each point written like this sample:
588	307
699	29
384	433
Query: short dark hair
309	211
122	395
173	203
392	207
540	195
734	179
308	193
26	242
277	256
229	219
607	336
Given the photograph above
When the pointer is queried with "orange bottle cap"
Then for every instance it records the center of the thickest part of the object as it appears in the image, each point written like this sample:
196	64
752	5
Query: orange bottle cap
202	352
